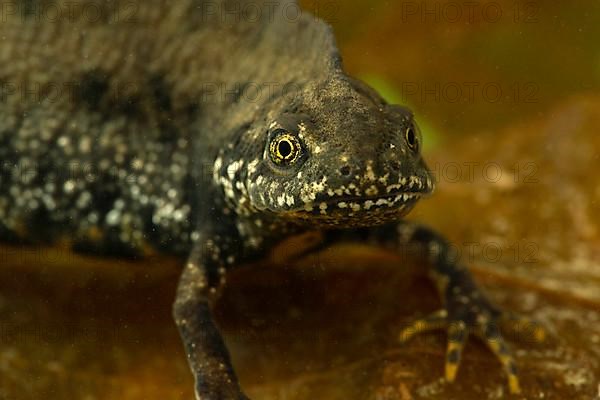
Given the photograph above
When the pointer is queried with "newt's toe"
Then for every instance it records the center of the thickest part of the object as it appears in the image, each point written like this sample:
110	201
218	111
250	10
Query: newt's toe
435	321
457	337
497	344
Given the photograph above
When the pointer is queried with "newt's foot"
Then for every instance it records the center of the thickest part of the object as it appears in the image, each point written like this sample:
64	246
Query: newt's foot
479	318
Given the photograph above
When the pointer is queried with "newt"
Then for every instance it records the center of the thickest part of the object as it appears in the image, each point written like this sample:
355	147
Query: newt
135	130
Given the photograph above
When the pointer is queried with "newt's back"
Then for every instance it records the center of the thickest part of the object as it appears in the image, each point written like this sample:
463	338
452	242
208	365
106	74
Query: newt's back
96	119
112	113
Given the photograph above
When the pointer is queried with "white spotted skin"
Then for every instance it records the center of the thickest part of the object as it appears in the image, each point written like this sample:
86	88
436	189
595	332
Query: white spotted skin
87	177
161	161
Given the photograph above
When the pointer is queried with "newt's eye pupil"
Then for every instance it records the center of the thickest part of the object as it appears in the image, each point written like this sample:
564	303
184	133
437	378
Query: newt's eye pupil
285	149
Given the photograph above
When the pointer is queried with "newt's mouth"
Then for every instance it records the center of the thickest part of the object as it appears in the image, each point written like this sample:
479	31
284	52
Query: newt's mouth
352	206
359	204
352	211
367	203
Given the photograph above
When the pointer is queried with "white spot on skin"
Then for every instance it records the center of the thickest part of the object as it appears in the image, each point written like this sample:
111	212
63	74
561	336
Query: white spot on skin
112	218
289	200
63	141
301	130
370	175
216	168
281	200
137	164
415	181
309	191
252	167
383	180
233	168
381	202
372	191
393	188
69	186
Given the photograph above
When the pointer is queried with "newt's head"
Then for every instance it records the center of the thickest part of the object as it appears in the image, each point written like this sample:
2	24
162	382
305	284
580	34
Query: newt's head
335	155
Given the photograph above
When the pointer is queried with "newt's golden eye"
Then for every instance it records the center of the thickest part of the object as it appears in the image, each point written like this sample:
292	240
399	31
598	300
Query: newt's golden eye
285	149
412	138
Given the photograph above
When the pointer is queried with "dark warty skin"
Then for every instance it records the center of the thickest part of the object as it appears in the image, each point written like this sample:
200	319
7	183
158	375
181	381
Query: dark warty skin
133	133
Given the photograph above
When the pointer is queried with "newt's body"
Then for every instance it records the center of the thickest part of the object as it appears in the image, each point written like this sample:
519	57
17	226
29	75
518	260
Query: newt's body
181	128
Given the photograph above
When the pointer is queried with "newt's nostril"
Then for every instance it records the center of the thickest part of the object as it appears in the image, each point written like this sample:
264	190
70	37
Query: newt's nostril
345	170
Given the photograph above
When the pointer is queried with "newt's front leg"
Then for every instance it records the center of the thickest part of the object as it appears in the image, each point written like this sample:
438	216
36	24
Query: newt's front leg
466	310
204	346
